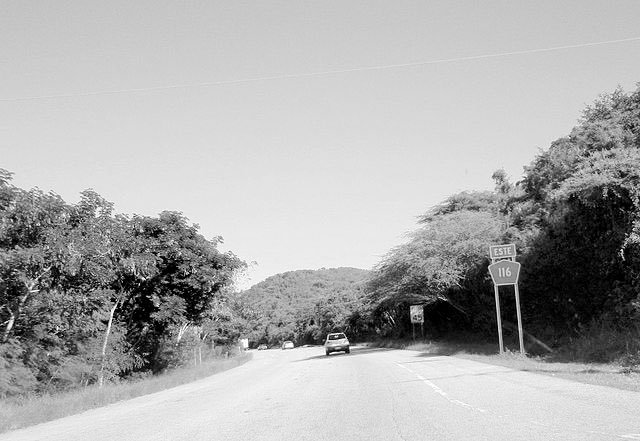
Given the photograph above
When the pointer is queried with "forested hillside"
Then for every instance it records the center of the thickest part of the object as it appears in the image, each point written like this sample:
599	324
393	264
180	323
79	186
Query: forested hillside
305	305
88	296
575	218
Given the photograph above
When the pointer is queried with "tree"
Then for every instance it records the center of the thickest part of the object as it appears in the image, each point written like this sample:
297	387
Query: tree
443	261
31	225
582	196
191	274
87	295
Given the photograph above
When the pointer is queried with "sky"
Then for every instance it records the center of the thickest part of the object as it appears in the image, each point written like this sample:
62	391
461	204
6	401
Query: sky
307	134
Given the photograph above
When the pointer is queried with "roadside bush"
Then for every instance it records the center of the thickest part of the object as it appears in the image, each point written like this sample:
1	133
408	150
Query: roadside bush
15	378
603	341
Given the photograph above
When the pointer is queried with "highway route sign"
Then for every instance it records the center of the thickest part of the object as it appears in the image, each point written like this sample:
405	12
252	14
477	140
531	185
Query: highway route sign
504	272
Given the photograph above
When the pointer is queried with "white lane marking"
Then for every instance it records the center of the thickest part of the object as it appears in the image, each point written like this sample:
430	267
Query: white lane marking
440	392
631	436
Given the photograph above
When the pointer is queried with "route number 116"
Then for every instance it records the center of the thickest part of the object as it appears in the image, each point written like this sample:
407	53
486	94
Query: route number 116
504	272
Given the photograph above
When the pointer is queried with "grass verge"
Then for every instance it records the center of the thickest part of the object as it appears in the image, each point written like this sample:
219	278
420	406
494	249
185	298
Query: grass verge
602	374
21	412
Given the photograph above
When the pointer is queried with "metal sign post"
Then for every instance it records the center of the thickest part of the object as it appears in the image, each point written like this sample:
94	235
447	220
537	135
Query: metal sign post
519	318
505	270
495	289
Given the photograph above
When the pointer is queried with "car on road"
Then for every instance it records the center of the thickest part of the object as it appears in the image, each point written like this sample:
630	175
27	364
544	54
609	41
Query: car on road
288	345
263	347
336	342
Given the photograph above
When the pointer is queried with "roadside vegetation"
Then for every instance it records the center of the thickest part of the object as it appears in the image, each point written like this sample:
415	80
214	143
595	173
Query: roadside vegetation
575	220
23	411
89	297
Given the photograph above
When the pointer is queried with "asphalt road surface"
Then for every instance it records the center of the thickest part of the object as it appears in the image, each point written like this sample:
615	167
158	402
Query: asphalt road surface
370	394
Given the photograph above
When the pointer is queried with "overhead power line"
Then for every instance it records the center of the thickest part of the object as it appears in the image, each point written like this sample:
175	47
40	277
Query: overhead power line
321	73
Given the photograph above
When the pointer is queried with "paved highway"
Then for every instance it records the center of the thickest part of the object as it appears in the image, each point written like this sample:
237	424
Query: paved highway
370	394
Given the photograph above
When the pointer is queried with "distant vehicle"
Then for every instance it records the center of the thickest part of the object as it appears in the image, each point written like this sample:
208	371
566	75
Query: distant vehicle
263	347
336	342
288	345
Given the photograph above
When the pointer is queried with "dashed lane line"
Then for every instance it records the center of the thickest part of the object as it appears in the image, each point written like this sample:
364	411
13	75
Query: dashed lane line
446	396
441	392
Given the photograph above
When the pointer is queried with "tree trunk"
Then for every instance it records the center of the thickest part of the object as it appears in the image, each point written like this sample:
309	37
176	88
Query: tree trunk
181	331
14	315
10	323
104	345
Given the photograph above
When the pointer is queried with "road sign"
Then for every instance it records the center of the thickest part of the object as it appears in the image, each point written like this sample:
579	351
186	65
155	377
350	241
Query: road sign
417	313
504	272
502	251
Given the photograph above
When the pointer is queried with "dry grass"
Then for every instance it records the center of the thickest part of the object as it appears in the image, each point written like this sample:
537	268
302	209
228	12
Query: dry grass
26	411
602	374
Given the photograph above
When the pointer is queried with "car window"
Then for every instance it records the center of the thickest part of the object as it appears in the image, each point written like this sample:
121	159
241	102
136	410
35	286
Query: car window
336	336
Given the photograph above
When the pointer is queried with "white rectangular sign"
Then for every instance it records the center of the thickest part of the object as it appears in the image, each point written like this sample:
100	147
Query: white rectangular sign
502	251
417	313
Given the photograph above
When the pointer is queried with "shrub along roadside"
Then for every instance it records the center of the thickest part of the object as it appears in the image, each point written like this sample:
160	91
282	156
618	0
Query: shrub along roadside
21	412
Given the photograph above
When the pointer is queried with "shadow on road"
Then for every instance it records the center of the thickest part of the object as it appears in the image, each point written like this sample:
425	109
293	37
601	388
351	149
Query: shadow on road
355	351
